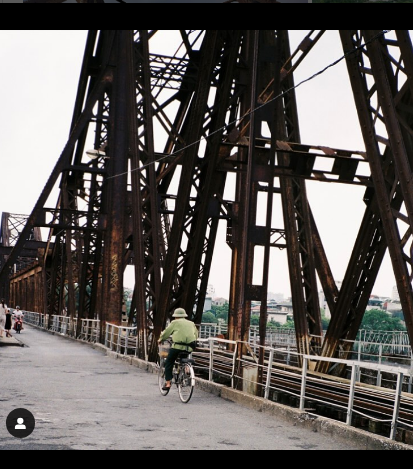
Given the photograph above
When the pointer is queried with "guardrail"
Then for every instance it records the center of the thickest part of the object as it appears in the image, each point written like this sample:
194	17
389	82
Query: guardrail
121	339
275	376
217	357
355	378
64	325
394	349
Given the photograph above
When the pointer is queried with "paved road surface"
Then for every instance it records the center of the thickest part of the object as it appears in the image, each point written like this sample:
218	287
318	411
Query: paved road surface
84	400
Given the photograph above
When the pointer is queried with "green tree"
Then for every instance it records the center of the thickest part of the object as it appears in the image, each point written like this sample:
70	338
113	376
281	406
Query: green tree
127	293
209	318
325	322
289	324
255	320
221	312
378	320
273	325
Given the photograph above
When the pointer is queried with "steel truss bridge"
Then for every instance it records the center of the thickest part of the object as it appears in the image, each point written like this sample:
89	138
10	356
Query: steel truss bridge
166	131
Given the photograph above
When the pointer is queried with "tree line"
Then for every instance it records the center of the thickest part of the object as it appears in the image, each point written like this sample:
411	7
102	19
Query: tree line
374	320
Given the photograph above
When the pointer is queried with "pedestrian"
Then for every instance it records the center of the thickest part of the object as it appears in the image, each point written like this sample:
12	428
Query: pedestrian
3	311
8	324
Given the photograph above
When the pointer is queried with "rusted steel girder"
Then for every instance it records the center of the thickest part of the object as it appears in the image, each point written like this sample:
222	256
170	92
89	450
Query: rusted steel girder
186	286
186	246
122	100
400	141
210	188
147	243
242	291
266	171
297	222
192	129
102	101
26	288
379	229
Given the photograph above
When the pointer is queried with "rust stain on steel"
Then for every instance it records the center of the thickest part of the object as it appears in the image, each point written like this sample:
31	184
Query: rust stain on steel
114	277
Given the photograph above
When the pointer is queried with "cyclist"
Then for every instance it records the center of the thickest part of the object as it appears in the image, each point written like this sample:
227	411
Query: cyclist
184	336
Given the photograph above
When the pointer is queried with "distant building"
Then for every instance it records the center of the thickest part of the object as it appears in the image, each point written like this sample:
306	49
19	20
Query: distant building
278	297
393	306
219	301
395	294
375	303
276	312
208	303
211	290
284	307
323	300
323	303
278	316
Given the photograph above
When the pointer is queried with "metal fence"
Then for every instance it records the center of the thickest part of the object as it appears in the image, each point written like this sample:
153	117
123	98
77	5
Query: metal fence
243	372
377	346
64	325
121	339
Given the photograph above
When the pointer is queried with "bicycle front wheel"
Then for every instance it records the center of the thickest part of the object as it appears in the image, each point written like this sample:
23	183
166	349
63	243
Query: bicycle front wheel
186	383
161	377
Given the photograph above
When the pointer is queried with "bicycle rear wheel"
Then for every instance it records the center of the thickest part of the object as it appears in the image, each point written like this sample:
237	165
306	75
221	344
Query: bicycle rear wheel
186	383
161	377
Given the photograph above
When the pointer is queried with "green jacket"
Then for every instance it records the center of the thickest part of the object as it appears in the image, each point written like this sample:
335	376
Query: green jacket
181	330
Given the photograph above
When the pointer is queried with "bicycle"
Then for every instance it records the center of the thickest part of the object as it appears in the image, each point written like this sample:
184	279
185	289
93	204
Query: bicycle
183	374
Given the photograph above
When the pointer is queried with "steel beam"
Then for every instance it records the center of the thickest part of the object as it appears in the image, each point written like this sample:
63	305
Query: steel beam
375	85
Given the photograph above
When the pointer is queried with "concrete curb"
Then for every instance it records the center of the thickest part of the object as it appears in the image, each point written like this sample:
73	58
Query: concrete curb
10	342
323	425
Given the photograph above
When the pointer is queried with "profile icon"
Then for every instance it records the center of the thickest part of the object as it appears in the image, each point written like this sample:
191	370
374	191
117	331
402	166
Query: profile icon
20	425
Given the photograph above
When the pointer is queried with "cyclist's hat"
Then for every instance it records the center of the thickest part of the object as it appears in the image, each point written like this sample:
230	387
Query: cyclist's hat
180	313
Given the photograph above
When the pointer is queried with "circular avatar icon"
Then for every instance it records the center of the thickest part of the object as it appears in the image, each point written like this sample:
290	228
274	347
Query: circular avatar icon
20	423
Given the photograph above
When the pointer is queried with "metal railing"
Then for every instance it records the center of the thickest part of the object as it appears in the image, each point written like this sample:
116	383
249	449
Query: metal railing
90	330
376	346
394	348
354	384
274	336
217	357
121	339
64	325
271	386
36	319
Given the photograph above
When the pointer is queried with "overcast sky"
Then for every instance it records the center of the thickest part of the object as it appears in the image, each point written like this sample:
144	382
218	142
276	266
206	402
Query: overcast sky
38	91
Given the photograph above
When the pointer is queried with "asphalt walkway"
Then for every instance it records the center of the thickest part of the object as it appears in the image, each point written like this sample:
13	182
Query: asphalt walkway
83	399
